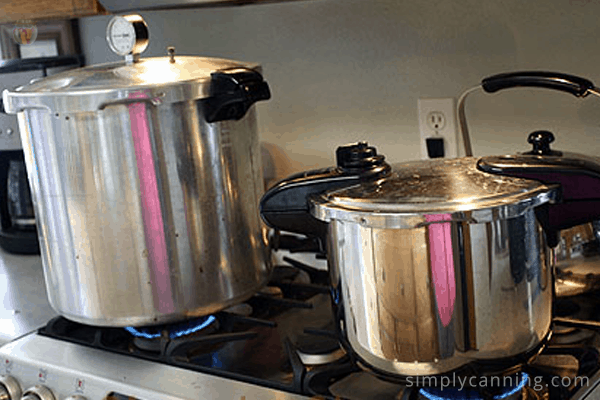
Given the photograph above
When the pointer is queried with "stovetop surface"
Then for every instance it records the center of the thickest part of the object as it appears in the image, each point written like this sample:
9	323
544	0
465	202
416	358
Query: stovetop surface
284	341
267	341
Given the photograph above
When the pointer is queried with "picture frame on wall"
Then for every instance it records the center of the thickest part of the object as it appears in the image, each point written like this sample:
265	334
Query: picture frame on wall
39	39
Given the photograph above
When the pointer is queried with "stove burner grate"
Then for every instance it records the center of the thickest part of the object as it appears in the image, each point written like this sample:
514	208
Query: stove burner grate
175	331
261	342
246	343
511	392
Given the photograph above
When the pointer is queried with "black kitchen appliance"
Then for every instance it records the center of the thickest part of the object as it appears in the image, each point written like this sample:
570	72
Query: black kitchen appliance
17	220
18	233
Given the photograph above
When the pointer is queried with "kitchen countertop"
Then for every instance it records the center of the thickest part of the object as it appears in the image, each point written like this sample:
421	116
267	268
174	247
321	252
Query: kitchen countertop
25	304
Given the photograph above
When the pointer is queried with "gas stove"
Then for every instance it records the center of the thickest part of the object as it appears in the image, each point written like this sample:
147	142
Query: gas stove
280	344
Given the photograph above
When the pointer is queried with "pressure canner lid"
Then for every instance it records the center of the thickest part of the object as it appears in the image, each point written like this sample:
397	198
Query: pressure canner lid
455	188
158	79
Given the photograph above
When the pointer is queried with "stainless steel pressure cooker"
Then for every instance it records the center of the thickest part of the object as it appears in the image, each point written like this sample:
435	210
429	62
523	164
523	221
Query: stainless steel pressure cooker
440	265
146	177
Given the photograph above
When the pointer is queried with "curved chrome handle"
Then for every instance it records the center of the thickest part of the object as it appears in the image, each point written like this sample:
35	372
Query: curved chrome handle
577	86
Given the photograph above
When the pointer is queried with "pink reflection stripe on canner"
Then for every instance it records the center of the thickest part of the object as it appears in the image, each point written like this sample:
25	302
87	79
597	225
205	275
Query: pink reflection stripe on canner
156	243
442	264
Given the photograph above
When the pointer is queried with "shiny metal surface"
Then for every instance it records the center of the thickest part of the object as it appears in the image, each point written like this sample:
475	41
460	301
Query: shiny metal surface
578	261
577	276
449	186
25	306
38	392
136	27
430	299
9	388
573	242
147	214
591	391
8	123
69	369
96	87
320	359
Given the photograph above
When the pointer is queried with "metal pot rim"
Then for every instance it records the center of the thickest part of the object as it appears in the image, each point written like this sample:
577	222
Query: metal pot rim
325	209
96	87
431	191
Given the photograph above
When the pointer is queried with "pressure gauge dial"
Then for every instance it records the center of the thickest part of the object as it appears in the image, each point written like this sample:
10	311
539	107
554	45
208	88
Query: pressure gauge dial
127	35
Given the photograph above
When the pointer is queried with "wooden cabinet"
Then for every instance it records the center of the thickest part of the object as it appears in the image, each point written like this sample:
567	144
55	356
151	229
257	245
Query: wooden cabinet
15	10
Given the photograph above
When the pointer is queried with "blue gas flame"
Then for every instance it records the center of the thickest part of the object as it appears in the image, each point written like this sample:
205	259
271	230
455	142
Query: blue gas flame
176	331
455	394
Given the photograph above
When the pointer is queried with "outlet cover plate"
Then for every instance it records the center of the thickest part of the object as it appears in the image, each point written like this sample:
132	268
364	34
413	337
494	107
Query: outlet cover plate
446	107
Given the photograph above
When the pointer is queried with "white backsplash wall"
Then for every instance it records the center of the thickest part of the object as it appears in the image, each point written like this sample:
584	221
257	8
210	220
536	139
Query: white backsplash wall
349	70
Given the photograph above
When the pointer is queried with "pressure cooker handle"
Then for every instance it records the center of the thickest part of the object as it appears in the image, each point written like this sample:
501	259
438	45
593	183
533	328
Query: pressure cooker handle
232	92
579	87
286	206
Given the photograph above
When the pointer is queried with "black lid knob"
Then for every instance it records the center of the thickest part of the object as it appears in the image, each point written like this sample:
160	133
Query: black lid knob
358	156
541	143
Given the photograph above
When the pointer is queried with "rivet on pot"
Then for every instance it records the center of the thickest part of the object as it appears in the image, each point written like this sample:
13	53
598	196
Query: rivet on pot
157	101
171	53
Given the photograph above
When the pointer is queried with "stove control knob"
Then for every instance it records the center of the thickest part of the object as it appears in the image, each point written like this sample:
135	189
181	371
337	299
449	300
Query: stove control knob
38	392
9	388
76	397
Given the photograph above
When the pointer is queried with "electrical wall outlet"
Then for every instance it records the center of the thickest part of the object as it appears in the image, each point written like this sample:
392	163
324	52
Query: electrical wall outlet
437	119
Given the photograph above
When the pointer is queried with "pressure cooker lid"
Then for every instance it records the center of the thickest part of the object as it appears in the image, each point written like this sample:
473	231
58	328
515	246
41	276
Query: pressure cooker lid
441	186
160	79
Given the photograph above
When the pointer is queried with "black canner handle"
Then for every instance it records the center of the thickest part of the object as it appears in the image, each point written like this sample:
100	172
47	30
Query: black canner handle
286	205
